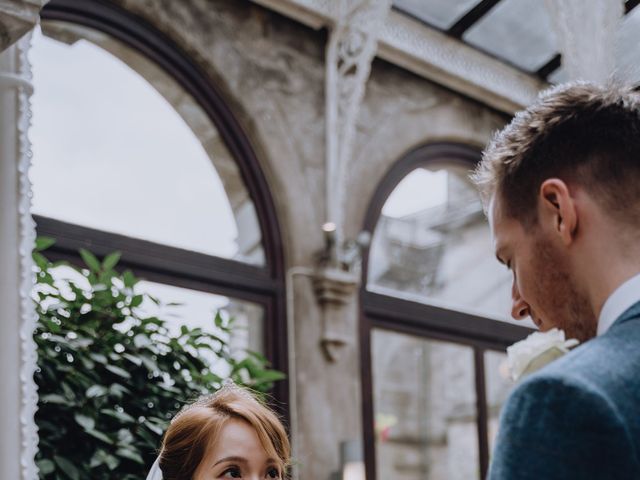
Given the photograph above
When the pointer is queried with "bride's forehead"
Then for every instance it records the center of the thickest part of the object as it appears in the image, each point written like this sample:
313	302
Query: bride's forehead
238	438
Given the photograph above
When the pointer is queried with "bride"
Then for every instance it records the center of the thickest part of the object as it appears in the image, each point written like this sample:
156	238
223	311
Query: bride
229	434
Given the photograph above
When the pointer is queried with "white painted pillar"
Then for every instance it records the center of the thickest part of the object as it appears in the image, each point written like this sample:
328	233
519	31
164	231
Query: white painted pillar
18	396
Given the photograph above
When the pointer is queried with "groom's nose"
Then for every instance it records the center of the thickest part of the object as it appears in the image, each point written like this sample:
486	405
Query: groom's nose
519	308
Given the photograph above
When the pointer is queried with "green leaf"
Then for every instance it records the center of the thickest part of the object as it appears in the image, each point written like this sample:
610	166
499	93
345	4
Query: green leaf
96	391
136	301
98	357
42	243
154	428
45	466
67	467
85	422
111	261
90	260
118	390
40	260
121	372
55	398
122	416
133	359
131	455
128	279
100	436
101	457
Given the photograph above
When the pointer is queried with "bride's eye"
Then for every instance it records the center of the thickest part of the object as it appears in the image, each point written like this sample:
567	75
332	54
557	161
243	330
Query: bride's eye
273	473
233	472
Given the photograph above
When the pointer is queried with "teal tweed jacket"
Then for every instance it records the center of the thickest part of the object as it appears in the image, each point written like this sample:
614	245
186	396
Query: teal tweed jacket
579	417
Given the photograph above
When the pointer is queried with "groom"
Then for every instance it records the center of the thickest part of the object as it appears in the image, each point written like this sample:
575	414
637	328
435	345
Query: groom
562	185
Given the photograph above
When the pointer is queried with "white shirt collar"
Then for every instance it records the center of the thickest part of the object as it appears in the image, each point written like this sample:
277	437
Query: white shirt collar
623	297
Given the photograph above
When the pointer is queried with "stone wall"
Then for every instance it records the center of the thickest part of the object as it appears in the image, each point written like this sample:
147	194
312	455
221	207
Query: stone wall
271	71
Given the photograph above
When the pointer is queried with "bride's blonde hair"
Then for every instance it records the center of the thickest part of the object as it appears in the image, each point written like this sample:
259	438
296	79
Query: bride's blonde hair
197	426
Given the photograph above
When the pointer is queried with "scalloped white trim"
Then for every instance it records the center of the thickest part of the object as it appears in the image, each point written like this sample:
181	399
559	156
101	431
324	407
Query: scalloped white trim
27	235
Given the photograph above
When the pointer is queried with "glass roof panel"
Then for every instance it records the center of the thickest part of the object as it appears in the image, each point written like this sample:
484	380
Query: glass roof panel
439	13
518	31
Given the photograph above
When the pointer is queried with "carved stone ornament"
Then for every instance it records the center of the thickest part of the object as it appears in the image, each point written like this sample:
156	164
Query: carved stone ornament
335	290
586	31
351	48
18	17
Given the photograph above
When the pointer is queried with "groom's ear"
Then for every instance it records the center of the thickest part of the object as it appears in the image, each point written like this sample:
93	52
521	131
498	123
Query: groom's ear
557	210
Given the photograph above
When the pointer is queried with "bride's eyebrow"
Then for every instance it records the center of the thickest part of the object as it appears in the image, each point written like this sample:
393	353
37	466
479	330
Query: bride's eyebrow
231	459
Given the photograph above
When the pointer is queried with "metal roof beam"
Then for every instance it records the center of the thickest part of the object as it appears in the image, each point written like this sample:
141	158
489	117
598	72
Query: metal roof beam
470	18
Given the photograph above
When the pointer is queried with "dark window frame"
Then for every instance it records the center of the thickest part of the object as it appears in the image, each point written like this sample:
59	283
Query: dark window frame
264	285
422	320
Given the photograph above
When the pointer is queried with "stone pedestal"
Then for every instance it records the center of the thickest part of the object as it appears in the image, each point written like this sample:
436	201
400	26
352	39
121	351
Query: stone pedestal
335	289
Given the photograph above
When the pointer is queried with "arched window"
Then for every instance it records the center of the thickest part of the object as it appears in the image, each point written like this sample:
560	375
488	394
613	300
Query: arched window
136	151
435	322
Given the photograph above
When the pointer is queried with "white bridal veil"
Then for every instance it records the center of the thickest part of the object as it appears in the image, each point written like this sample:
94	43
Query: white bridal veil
155	473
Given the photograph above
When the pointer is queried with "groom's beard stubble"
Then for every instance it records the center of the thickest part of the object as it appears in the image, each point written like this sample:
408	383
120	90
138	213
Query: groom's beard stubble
569	309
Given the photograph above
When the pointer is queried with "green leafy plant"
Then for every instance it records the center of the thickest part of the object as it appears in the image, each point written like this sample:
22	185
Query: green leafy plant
110	377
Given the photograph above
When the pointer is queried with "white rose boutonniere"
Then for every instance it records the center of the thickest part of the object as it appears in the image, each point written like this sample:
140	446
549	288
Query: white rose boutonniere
536	351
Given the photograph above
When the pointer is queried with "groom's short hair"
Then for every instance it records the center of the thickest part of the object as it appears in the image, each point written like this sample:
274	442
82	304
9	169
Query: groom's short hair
582	133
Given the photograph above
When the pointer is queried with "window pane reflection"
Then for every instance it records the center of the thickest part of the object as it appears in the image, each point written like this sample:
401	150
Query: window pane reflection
432	244
120	146
425	401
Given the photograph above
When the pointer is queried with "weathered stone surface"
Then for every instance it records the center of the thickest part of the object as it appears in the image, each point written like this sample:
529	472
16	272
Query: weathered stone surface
271	71
17	17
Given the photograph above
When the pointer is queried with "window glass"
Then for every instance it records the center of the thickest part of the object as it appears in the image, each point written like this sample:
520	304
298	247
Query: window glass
194	309
439	13
120	146
519	31
425	408
433	244
197	309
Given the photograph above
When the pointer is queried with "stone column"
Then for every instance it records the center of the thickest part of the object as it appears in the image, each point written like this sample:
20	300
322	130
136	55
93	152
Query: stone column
586	31
18	395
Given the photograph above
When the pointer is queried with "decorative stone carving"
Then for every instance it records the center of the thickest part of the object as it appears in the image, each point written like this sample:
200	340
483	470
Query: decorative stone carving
18	236
335	289
336	281
17	17
350	51
351	48
586	31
